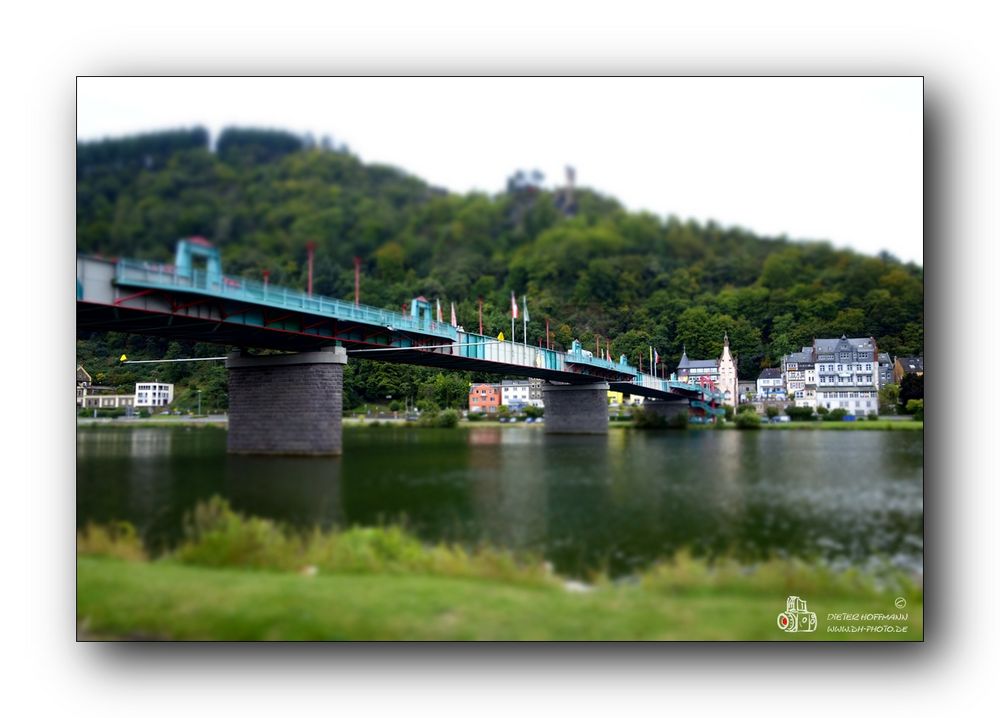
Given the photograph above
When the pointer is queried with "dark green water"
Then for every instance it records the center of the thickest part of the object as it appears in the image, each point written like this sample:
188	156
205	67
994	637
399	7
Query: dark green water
618	502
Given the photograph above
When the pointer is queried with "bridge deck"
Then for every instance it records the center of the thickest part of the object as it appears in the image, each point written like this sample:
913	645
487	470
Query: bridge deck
157	299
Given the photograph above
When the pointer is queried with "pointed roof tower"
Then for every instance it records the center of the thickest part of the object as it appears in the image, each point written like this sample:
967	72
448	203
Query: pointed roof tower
684	362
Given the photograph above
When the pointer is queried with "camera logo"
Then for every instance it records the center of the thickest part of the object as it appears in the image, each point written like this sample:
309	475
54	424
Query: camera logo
796	617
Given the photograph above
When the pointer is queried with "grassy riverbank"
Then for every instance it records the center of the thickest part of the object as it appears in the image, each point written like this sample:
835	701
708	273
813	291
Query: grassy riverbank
239	578
165	600
878	425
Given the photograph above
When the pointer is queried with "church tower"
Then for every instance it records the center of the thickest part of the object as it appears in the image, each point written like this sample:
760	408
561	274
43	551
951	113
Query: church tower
728	380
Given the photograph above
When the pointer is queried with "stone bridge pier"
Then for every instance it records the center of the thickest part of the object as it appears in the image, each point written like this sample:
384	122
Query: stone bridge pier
286	404
666	409
576	408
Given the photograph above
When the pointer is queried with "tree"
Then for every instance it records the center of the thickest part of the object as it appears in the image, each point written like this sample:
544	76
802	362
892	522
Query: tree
888	399
916	407
771	411
748	420
640	280
911	387
800	413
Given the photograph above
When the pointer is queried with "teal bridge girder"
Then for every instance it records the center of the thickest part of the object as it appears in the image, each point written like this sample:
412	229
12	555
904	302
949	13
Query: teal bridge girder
201	304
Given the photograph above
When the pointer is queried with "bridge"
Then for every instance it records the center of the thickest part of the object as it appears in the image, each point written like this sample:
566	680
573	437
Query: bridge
291	402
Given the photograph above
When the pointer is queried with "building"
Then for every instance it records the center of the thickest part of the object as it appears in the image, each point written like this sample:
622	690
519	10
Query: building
89	396
885	369
721	372
847	374
83	382
484	398
517	394
535	392
771	385
747	389
798	370
153	394
617	398
907	365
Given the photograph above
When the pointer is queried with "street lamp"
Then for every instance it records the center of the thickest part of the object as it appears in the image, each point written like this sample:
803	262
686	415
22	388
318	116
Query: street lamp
199	401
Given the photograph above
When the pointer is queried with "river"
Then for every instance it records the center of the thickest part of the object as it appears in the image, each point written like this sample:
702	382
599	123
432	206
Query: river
617	502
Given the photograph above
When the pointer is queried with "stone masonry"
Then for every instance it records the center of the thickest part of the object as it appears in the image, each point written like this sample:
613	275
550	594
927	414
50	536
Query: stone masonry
286	403
576	408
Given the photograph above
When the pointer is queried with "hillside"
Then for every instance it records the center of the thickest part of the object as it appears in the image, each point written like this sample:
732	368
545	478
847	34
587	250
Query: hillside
597	269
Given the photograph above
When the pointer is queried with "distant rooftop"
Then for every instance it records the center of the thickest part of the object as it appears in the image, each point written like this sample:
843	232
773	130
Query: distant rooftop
770	373
829	345
806	356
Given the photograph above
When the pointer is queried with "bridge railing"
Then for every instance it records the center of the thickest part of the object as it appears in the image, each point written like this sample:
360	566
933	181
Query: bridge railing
250	290
579	357
674	386
477	346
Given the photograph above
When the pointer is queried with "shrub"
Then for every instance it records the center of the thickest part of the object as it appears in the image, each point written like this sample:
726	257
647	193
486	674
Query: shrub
822	410
872	416
743	408
800	413
747	420
772	411
446	419
534	412
729	412
678	421
218	536
835	415
643	419
426	406
475	416
395	405
118	539
916	407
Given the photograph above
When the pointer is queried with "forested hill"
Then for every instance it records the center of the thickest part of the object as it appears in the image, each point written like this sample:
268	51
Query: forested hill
588	265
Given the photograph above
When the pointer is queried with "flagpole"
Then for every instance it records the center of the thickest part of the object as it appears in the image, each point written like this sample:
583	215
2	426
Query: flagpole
524	337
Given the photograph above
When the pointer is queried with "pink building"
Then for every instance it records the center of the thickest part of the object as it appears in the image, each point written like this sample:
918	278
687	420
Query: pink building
484	398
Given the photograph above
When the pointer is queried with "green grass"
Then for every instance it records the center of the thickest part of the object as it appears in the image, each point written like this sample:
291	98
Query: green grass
245	578
165	600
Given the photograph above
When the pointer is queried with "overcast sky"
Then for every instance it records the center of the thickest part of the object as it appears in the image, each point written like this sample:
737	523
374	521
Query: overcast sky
837	159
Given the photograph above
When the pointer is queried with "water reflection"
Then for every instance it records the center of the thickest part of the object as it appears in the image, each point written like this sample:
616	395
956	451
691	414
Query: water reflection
616	503
295	490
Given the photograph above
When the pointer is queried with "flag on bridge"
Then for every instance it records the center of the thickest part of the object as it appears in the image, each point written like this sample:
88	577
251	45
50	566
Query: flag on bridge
454	321
513	305
656	360
524	337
